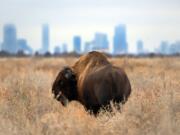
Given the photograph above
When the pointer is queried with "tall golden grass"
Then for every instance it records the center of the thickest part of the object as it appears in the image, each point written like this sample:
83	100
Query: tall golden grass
27	106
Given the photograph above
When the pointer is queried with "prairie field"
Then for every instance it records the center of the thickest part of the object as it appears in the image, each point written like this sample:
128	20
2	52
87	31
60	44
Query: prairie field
27	106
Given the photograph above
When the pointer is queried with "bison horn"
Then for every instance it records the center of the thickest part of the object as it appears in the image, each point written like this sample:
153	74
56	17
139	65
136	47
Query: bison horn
58	95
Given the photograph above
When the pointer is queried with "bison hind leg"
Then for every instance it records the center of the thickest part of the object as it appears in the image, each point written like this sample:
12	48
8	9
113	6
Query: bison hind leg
93	109
112	107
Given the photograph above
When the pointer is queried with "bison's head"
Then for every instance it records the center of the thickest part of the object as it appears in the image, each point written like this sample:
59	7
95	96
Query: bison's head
65	86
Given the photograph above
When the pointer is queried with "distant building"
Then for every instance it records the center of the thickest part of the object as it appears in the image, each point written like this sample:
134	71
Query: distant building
164	47
178	46
0	46
77	44
174	48
119	40
45	39
169	48
100	42
23	46
140	48
88	46
64	48
57	50
9	39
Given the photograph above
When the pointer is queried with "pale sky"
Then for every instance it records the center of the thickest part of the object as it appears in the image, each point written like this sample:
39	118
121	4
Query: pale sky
149	20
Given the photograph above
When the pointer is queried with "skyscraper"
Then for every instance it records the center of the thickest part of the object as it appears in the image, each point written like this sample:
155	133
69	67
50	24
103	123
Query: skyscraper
64	48
164	47
57	50
178	46
87	47
9	39
45	38
174	48
100	42
23	46
77	44
140	49
119	41
0	46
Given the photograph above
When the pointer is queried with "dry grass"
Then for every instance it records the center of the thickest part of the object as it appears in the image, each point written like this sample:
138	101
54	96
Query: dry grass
27	106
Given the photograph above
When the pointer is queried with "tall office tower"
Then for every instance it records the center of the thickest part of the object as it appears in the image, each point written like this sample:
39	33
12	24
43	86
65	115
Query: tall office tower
119	41
45	38
64	48
178	46
57	50
23	46
140	49
77	44
164	47
174	48
87	47
9	39
100	42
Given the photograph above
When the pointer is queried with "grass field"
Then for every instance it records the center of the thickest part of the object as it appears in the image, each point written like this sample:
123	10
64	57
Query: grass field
27	106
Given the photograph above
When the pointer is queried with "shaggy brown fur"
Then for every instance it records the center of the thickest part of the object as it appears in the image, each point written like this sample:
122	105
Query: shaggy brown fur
98	82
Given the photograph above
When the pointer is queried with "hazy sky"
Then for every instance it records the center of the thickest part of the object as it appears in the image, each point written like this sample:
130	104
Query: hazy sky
149	20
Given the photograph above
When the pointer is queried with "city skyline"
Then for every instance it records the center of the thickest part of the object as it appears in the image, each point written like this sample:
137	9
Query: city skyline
13	44
152	21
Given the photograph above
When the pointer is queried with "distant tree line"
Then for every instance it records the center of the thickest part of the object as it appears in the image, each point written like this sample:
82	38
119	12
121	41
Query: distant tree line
74	54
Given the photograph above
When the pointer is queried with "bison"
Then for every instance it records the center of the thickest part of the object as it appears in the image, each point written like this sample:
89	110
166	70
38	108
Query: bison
93	81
